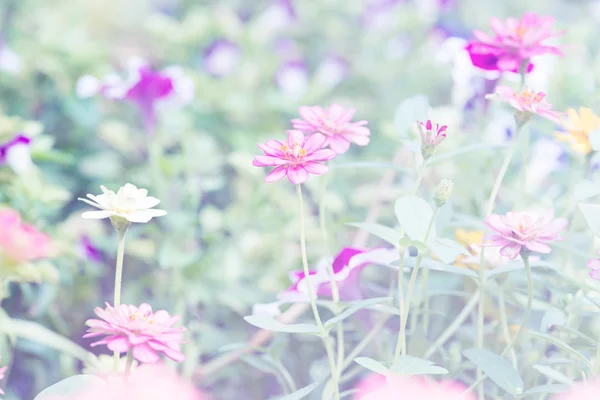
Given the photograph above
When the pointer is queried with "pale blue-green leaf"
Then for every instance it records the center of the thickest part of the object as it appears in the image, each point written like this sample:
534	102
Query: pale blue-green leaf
414	215
409	366
392	236
413	145
372	365
594	139
435	265
516	266
562	345
71	386
476	148
550	388
354	308
410	111
585	189
448	250
498	369
553	374
301	393
591	212
274	325
552	318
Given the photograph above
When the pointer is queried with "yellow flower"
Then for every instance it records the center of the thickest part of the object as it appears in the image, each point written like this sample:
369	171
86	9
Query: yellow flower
467	238
578	129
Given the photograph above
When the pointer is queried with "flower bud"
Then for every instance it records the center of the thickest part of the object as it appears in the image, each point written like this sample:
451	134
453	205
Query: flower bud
431	137
443	192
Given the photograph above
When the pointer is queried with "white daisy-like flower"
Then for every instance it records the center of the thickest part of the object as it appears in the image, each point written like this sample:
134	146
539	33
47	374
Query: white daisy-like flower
129	202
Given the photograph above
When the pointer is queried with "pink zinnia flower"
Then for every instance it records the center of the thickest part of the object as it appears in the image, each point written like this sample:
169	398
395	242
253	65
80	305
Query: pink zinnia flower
2	371
581	391
431	136
514	43
137	329
594	264
21	242
527	103
297	158
374	387
524	229
335	124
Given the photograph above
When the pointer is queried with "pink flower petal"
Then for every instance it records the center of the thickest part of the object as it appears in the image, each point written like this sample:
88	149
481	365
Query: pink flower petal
297	174
315	168
276	174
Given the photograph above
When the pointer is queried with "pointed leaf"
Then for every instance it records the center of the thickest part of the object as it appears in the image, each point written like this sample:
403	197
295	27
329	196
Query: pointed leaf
409	112
498	369
301	393
390	235
550	388
553	374
372	365
414	216
274	325
409	366
354	308
448	250
69	387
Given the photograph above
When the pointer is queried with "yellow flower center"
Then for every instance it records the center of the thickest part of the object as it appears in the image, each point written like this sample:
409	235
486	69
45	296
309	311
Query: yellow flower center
294	153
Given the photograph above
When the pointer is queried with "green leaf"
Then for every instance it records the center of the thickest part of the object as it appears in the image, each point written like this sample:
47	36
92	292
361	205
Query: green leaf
435	265
448	250
274	325
372	365
390	235
414	215
562	345
585	189
409	366
553	374
301	393
591	212
69	387
498	369
354	308
551	388
410	111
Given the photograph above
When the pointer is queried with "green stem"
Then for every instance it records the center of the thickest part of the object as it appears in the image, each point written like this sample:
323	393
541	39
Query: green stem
118	279
504	323
399	342
311	295
411	286
128	364
425	290
420	175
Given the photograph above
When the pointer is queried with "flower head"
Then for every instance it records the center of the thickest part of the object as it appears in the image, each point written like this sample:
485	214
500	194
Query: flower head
431	137
581	391
530	231
335	123
594	265
16	153
513	44
144	86
20	242
129	203
578	127
527	103
145	333
376	387
295	159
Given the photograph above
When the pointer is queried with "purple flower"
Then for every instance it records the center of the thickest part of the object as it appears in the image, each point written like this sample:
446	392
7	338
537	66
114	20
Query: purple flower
16	153
90	251
292	78
221	57
144	86
332	71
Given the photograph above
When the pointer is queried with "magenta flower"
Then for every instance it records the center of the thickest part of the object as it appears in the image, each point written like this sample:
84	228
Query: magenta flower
527	103
335	124
378	387
16	153
513	44
138	329
594	264
146	87
529	230
20	242
430	136
295	159
2	371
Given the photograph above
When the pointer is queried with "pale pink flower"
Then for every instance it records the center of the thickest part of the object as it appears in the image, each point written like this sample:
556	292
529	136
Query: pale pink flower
528	229
335	124
430	136
527	103
594	264
21	242
373	387
581	391
2	371
138	329
513	44
295	159
148	382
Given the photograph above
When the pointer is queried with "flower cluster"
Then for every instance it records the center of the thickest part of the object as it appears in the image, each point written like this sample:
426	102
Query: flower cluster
139	330
513	43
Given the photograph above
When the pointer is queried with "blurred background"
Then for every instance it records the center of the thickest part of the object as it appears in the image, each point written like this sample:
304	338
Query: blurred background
241	69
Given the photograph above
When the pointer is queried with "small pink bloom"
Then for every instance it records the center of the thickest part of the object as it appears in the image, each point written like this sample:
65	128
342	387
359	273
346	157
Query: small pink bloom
581	391
21	242
527	229
594	264
527	102
2	371
335	124
514	42
295	159
432	136
137	329
377	387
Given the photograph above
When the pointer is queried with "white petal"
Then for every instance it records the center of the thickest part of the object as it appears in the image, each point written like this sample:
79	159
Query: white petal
90	203
19	158
147	202
101	199
96	214
87	86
